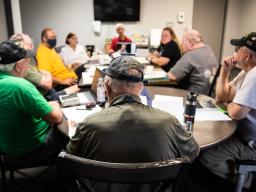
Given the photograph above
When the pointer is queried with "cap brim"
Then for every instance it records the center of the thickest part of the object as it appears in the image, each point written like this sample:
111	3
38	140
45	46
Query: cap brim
236	42
30	54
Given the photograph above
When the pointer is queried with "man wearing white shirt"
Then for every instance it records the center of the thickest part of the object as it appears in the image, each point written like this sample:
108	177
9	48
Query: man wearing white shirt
240	97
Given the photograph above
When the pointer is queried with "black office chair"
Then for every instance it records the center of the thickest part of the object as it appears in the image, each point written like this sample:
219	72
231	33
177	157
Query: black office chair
58	49
10	163
211	92
90	49
245	166
172	171
234	72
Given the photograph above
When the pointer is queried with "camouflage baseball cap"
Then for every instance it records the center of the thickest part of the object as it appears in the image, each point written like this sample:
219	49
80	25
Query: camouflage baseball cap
12	51
120	68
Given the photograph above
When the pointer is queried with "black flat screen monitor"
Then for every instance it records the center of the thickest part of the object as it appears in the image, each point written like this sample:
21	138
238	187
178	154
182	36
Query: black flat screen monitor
116	10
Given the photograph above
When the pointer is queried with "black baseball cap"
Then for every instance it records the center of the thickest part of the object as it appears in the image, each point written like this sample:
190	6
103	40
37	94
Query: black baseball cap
248	40
120	67
12	51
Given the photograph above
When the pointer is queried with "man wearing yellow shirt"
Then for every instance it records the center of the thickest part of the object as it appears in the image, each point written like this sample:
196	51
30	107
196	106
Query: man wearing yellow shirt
49	60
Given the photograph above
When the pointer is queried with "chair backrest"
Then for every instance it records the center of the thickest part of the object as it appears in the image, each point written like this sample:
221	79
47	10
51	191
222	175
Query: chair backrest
213	83
243	167
89	48
58	49
125	173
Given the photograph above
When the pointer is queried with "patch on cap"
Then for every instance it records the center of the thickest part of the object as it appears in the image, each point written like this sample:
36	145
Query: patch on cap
248	40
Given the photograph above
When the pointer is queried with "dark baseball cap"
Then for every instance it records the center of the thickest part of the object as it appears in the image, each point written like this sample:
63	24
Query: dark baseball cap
120	68
248	40
12	51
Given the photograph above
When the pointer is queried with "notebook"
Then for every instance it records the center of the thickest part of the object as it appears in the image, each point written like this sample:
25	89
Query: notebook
126	48
83	97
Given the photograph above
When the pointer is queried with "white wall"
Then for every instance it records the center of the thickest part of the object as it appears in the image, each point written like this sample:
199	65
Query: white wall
240	20
17	26
232	27
209	22
77	16
3	26
248	16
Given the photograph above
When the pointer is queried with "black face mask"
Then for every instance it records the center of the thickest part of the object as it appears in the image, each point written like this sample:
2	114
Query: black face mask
52	42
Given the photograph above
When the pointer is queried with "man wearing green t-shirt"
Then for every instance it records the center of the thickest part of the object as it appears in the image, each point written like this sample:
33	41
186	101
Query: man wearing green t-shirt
25	116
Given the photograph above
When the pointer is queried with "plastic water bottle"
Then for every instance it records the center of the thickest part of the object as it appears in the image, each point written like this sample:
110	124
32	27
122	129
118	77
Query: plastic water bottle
100	92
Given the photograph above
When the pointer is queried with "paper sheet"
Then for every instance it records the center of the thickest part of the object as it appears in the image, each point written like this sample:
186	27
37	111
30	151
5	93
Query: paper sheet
79	113
144	100
155	75
76	115
170	104
211	115
174	106
169	98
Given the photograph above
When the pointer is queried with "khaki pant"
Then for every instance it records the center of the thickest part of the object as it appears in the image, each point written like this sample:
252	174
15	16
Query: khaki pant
220	159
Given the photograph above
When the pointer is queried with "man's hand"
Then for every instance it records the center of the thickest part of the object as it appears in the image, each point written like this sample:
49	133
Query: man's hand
69	81
224	91
228	64
75	65
54	104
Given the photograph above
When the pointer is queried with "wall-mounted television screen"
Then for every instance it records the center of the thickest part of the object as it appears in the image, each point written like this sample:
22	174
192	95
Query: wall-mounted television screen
116	10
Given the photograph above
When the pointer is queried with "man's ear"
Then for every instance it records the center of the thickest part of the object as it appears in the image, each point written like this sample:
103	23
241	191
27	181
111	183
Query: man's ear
44	39
248	56
17	66
139	87
107	88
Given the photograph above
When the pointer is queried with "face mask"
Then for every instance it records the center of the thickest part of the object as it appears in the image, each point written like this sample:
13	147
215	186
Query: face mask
52	42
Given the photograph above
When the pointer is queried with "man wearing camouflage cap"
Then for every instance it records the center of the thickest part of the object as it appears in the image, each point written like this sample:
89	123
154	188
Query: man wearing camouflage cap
240	95
26	118
129	131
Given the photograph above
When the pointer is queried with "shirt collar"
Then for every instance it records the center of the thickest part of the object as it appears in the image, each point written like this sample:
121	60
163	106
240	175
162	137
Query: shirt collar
125	39
125	98
4	73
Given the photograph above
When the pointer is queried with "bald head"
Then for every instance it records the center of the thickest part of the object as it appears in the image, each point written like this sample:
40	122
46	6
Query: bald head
190	39
23	38
120	29
193	35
